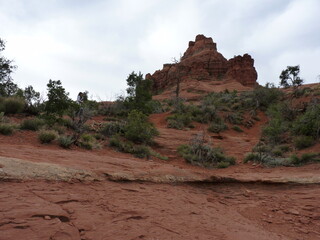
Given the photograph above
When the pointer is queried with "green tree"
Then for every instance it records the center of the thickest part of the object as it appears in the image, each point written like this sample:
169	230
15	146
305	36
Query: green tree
58	100
138	129
291	74
7	87
139	92
31	95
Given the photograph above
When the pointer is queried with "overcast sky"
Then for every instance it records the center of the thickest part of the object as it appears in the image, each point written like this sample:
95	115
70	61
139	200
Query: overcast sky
93	45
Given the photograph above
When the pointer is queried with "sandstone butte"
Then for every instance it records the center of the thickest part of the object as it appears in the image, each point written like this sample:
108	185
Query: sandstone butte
202	62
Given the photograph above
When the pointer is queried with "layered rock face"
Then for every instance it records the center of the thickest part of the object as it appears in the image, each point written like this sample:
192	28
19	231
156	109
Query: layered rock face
203	62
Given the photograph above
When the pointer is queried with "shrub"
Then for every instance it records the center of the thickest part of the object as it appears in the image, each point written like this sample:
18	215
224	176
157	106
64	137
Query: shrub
112	128
305	158
274	130
302	142
251	157
129	147
99	136
308	157
6	129
3	119
140	151
154	106
199	153
277	152
179	121
47	136
237	128
33	124
88	141
284	148
138	129
65	141
217	127
158	155
13	105
172	123
308	124
59	129
122	146
223	164
234	118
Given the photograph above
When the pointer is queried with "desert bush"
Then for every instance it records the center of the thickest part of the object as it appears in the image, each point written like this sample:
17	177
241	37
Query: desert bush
154	106
234	118
88	141
140	151
112	128
275	130
6	128
65	141
33	124
138	129
305	158
302	142
58	128
277	152
284	148
208	114
217	127
223	164
237	128
251	157
3	119
179	121
308	124
99	136
197	152
47	136
12	105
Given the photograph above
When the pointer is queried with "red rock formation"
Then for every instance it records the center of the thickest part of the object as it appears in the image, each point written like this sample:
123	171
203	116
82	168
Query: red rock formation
202	61
241	69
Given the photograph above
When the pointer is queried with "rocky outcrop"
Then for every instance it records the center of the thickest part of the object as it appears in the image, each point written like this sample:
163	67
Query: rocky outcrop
203	62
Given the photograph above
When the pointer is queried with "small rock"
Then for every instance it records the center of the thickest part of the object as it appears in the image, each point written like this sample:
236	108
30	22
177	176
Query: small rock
267	220
304	221
47	217
305	231
70	211
292	211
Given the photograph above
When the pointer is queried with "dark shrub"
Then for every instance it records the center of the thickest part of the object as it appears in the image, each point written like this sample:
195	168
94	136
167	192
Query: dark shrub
237	128
112	128
88	141
302	142
199	153
308	124
217	127
251	157
65	141
138	129
179	121
33	124
13	105
47	136
6	128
